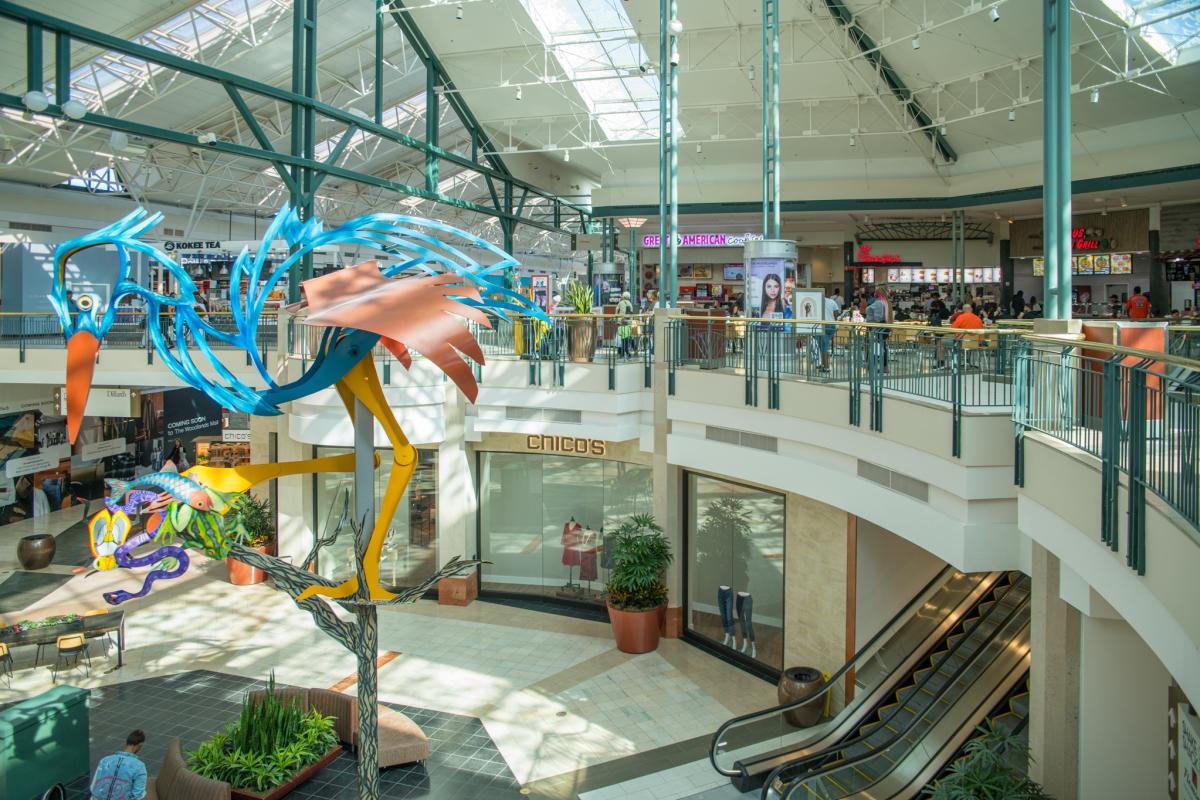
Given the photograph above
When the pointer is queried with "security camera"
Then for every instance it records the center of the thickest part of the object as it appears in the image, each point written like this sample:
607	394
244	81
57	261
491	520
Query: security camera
644	66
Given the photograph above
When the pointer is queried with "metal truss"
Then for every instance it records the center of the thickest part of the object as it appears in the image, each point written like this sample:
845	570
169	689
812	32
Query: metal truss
247	131
920	230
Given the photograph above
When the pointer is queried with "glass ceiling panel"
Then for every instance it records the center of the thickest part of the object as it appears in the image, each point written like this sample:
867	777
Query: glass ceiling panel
597	47
1171	27
100	180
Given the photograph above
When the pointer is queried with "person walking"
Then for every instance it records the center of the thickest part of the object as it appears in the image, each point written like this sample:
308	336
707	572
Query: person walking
880	312
833	307
625	343
121	776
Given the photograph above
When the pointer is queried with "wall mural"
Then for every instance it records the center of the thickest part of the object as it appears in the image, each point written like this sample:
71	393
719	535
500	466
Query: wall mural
416	302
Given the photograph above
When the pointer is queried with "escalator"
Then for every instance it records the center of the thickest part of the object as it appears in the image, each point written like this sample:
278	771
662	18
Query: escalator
903	743
1011	715
748	748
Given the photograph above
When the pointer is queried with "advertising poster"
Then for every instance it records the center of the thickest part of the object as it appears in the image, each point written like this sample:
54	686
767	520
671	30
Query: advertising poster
772	281
540	285
1122	263
1188	758
187	416
809	303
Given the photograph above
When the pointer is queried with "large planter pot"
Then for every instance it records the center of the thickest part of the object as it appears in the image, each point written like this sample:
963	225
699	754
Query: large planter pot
635	631
36	551
798	683
242	574
581	340
297	779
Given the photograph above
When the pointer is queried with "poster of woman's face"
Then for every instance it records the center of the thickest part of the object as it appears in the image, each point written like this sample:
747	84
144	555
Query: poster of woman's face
769	287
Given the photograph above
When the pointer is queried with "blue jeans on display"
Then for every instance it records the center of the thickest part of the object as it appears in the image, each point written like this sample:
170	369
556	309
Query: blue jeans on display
745	615
725	605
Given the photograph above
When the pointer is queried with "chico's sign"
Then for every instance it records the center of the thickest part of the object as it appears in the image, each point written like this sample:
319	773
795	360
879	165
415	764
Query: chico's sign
576	445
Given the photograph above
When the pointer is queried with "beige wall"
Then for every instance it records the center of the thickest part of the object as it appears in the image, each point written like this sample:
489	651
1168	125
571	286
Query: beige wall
890	571
815	585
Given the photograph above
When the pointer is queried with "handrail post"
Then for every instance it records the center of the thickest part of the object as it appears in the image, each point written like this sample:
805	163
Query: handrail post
956	391
1135	554
1110	447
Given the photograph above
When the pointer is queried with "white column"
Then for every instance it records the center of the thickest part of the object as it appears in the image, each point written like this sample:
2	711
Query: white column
668	479
457	503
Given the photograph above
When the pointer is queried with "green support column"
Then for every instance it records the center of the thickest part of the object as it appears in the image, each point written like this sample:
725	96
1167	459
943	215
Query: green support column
433	118
380	10
1056	162
673	142
776	178
771	178
663	230
635	291
33	58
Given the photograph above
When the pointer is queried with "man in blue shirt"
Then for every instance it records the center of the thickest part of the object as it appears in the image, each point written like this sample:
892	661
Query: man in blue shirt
121	776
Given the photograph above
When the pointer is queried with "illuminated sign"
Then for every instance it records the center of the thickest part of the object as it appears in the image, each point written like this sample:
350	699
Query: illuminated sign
1090	239
865	257
705	239
576	445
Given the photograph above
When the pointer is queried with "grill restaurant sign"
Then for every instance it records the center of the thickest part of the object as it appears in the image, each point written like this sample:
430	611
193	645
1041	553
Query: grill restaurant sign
705	239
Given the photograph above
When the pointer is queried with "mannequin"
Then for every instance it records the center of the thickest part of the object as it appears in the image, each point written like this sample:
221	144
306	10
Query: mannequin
725	606
745	615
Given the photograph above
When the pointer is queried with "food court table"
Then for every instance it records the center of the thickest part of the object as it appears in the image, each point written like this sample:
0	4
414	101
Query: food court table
91	626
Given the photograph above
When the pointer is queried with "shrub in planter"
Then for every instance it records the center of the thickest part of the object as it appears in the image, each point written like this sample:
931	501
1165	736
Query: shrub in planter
636	592
251	522
271	743
581	331
995	764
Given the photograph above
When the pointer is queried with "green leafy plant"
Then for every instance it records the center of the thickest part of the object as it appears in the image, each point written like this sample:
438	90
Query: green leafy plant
272	740
994	765
641	555
250	521
45	622
578	297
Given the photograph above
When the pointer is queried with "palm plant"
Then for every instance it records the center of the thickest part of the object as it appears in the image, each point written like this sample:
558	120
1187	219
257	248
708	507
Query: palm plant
994	766
578	296
641	555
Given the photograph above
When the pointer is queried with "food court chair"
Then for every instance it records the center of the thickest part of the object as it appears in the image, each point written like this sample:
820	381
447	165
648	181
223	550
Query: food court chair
6	662
70	647
106	637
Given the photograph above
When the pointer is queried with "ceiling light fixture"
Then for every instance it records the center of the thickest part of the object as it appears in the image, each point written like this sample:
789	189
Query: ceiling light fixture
1012	115
699	147
916	43
1095	95
118	140
1123	203
994	14
852	141
208	137
458	13
942	130
750	72
567	155
520	94
37	101
73	109
675	26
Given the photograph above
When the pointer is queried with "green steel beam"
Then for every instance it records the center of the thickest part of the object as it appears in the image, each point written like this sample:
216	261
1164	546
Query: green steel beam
900	91
296	99
261	137
1131	180
433	124
33	58
378	89
62	68
455	100
334	157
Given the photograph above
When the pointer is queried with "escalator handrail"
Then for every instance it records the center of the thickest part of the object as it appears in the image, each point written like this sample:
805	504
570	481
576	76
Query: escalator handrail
795	783
903	614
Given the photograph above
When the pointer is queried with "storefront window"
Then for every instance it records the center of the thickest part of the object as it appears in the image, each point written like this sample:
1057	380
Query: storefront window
735	568
543	521
410	550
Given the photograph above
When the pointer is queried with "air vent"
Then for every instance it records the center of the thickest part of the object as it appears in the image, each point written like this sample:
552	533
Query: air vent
741	438
172	231
524	414
30	226
918	490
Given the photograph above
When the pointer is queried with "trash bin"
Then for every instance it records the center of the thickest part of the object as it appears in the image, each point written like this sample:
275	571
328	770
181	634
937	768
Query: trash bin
797	683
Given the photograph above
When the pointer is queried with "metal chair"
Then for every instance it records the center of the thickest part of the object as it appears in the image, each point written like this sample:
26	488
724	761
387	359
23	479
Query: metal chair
105	638
70	647
6	662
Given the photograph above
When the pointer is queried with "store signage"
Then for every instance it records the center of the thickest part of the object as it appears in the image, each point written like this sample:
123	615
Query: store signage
705	239
105	402
47	459
171	246
99	450
1090	239
1188	758
231	435
864	256
576	445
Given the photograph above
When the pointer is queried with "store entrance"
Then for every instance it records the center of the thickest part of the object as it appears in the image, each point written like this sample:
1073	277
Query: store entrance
543	522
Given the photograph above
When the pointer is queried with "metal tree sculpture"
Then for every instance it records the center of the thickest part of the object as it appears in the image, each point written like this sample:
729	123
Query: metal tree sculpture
416	304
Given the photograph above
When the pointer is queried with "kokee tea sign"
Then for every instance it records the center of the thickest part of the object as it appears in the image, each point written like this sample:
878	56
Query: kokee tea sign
705	239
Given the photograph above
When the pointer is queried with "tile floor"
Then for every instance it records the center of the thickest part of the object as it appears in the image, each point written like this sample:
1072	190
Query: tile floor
566	712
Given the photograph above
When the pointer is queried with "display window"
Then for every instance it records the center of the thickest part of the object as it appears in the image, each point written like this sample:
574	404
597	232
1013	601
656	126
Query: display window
410	549
735	563
545	521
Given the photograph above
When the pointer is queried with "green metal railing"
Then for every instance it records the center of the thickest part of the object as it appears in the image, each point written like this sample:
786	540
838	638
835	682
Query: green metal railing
1138	412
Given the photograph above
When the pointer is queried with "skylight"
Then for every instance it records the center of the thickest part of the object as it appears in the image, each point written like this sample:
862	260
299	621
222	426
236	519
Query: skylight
1171	27
102	180
597	47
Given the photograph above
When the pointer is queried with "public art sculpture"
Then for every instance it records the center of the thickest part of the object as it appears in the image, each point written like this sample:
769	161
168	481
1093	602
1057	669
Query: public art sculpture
418	302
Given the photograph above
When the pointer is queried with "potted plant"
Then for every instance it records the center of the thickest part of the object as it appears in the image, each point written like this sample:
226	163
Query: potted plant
995	764
636	591
273	747
250	522
581	330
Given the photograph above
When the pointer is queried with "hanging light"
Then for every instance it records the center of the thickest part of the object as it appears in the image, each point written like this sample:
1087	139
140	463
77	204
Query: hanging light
852	141
750	72
675	26
916	43
73	109
1095	95
566	155
942	130
519	93
458	12
1012	115
37	101
118	141
699	147
994	14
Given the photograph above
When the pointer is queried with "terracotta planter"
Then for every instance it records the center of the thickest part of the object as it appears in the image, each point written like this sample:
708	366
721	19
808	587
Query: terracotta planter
635	631
581	340
36	551
241	574
297	779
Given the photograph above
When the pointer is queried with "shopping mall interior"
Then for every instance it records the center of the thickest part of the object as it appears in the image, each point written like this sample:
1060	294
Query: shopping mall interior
600	399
